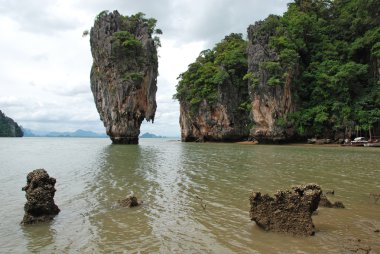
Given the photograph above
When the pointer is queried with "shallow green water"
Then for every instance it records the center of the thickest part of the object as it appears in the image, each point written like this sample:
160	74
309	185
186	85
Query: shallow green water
170	177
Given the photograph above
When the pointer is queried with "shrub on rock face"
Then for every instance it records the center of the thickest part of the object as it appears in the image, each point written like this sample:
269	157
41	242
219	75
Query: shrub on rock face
288	211
40	192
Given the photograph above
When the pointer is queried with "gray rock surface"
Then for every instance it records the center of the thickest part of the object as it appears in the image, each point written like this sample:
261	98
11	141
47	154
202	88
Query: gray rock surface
124	74
40	193
288	211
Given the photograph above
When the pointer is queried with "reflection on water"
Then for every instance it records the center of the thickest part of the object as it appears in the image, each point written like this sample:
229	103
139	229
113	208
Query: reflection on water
38	236
195	196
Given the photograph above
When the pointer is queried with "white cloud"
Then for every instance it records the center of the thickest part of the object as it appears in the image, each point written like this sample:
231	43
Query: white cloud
45	63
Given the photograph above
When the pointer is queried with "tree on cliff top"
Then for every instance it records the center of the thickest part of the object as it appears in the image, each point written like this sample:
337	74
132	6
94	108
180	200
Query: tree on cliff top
336	42
8	127
226	61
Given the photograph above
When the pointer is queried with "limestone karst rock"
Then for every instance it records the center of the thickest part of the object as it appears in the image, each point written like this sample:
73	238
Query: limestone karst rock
288	211
124	73
271	103
39	193
213	94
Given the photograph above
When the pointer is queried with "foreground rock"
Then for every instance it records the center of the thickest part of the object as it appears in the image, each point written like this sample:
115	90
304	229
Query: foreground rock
129	201
124	73
288	211
40	192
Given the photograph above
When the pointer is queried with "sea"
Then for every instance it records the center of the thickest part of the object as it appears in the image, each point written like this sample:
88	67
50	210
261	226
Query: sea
195	196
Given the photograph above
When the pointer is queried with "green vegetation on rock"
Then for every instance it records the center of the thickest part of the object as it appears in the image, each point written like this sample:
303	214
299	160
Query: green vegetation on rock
226	62
327	52
8	127
124	72
333	48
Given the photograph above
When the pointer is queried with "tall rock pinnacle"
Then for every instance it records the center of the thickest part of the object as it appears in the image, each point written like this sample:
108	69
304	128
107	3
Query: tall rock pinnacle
124	73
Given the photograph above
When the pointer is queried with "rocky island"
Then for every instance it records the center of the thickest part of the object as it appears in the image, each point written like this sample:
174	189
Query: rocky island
8	127
124	73
213	103
311	73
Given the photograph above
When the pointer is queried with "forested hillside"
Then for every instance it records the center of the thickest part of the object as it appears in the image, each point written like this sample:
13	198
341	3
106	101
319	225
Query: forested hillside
317	75
8	127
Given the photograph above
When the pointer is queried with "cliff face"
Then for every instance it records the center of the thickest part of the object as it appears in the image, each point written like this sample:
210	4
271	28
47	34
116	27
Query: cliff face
224	121
271	98
8	127
124	74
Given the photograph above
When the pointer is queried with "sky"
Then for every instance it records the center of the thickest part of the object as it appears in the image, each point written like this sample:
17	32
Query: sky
45	62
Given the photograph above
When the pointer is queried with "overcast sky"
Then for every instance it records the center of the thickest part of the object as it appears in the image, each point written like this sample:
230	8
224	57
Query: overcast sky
45	63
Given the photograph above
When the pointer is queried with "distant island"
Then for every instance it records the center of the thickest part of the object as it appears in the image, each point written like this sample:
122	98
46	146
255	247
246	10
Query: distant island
8	127
150	135
76	134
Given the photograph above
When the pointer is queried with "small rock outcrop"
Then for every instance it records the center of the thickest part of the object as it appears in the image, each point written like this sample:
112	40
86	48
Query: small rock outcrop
270	90
288	211
124	73
8	127
129	201
40	192
324	202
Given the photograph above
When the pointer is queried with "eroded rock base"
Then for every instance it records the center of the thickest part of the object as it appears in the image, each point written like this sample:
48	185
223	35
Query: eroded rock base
288	211
125	140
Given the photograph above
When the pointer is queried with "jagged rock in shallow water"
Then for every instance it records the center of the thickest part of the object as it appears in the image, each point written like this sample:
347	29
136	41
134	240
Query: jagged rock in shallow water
289	211
40	192
324	202
129	201
270	86
124	73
